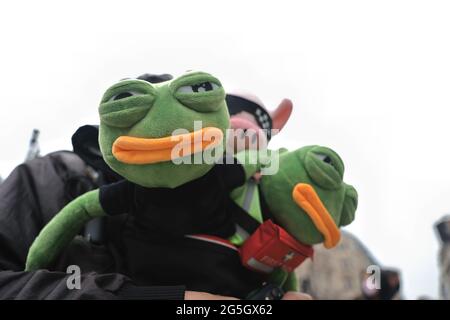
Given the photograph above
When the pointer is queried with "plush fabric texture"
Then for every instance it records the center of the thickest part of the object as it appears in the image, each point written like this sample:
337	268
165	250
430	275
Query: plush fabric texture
136	108
139	109
132	150
168	213
323	170
58	233
254	161
318	169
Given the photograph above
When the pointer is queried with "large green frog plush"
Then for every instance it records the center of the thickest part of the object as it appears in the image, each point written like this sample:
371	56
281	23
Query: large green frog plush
153	135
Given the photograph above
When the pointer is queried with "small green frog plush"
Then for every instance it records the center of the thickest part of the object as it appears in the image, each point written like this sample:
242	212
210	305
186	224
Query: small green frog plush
306	195
144	130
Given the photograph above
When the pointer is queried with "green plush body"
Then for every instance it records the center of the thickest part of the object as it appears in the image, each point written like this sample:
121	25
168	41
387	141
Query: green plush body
136	108
157	110
62	229
305	165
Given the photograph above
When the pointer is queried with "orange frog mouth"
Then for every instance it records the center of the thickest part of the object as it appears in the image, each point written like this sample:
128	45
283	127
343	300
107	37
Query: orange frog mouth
133	150
306	197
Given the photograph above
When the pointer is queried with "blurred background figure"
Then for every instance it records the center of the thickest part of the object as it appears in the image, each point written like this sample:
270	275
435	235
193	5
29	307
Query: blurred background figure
443	230
252	122
33	148
342	272
155	78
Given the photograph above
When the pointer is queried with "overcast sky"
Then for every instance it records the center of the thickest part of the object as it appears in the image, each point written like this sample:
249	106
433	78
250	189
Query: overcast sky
370	79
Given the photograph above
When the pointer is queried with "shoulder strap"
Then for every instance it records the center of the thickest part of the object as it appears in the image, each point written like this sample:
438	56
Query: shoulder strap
251	200
243	219
242	215
249	192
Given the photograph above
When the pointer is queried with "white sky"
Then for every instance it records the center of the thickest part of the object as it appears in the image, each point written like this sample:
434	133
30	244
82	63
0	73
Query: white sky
370	79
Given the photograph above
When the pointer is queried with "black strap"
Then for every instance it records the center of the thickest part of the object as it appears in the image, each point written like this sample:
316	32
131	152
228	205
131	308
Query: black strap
249	192
265	211
243	219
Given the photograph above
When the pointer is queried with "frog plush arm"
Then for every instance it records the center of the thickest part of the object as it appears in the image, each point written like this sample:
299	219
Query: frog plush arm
62	229
286	280
291	283
254	161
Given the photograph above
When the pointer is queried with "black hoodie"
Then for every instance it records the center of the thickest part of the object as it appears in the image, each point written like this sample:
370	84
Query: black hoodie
29	198
132	258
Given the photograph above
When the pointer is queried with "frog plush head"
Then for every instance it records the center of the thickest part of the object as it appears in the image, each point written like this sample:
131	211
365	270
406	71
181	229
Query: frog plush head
308	197
140	125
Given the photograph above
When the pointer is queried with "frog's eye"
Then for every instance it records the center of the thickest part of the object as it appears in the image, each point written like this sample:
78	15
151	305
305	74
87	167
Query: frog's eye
325	158
126	103
124	94
200	87
324	167
199	91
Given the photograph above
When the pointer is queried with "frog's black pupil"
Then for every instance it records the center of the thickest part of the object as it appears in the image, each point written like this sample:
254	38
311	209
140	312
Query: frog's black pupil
123	95
327	159
207	86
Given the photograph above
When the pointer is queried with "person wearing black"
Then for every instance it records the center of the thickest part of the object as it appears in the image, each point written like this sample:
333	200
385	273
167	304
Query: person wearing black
32	194
121	256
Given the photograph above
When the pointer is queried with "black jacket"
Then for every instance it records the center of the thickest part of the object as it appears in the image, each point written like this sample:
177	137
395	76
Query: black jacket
33	193
152	243
135	259
130	257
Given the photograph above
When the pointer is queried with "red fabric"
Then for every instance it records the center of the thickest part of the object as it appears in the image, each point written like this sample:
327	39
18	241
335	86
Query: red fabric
273	247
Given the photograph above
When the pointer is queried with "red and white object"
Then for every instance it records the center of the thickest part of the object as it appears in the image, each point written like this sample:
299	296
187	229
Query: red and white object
270	247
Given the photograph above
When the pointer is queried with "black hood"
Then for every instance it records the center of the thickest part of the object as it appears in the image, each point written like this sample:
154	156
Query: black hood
85	145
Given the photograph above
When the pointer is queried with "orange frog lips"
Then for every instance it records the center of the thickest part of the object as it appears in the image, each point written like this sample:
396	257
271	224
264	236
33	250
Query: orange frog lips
133	150
306	197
